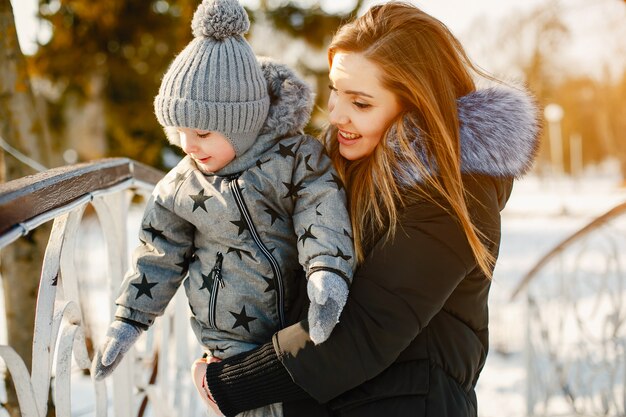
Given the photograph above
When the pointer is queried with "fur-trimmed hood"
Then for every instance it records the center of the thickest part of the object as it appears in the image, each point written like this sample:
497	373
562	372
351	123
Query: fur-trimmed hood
499	135
291	103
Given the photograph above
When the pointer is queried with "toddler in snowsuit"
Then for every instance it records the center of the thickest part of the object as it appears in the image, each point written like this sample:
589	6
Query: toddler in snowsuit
254	204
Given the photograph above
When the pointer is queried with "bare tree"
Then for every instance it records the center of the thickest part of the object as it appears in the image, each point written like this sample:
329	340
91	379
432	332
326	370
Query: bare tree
23	131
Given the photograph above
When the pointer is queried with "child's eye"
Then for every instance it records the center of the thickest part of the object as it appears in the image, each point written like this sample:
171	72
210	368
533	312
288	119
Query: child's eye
361	105
204	135
331	88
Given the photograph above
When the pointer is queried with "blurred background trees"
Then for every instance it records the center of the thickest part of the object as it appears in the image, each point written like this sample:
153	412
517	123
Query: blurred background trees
102	66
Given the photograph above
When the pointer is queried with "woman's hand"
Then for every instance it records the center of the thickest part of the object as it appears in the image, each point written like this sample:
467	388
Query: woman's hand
198	373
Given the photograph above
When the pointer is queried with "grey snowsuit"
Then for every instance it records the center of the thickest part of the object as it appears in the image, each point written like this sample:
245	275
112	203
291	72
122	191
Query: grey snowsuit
244	234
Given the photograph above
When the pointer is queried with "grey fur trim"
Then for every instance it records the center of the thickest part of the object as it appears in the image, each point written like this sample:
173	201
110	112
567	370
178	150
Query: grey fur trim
499	135
291	99
220	19
499	131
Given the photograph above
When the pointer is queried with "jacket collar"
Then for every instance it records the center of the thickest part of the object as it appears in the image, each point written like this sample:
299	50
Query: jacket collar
499	135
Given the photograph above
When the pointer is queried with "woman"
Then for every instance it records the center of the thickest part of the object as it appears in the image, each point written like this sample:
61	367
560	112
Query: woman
428	162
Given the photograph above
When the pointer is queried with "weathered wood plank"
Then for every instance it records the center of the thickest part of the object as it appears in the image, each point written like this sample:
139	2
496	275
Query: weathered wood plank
30	196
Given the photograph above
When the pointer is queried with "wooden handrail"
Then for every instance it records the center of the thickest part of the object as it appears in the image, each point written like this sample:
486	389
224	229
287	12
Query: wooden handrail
27	198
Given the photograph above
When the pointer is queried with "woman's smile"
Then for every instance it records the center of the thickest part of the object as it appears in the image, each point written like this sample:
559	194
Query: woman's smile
346	138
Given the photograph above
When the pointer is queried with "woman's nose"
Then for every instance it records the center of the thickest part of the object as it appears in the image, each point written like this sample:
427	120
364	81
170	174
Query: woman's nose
336	116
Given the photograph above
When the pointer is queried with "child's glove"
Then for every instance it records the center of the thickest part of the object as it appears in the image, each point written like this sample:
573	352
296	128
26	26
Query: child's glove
120	337
328	293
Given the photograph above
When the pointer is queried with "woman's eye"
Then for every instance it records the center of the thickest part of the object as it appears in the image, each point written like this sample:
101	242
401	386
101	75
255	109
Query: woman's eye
361	105
331	88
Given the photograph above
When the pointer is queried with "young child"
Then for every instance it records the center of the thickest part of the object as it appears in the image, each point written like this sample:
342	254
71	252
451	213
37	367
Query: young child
253	206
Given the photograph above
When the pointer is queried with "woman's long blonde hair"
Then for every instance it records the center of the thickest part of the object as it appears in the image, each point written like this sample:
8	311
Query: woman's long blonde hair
425	66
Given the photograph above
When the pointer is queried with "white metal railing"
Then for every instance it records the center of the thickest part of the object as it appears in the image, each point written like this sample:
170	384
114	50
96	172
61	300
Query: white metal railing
576	323
153	379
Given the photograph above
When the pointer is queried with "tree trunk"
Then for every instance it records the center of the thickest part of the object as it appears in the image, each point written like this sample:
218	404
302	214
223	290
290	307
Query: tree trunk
20	126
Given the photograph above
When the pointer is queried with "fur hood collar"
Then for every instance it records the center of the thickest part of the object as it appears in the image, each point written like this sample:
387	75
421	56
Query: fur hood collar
291	103
499	135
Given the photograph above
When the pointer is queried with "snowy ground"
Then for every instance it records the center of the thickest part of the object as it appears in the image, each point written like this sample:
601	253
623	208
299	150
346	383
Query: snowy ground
539	214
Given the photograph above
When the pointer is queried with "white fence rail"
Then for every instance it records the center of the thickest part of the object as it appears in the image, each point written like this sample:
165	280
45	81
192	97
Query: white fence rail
153	379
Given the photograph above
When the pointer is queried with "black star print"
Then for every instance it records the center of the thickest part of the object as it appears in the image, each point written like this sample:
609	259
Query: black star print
286	151
275	215
317	211
207	282
307	234
342	255
218	349
55	280
337	181
198	200
154	232
271	250
293	189
241	224
239	252
178	179
259	163
270	284
346	233
242	319
188	258
306	163
144	287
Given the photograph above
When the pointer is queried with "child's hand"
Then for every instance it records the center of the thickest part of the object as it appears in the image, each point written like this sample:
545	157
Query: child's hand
198	374
328	293
120	337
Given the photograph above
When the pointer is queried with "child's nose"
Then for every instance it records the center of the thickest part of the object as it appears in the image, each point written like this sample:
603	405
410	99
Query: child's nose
188	143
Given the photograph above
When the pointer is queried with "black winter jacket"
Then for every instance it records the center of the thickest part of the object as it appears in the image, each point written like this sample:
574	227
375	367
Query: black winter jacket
413	336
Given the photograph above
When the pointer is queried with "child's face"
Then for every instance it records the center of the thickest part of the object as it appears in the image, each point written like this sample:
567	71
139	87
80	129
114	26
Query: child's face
210	150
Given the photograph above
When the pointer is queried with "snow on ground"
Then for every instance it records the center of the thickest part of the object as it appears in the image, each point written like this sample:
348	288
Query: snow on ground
540	213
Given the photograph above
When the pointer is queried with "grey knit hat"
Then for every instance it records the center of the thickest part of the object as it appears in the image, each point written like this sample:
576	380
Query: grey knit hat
216	83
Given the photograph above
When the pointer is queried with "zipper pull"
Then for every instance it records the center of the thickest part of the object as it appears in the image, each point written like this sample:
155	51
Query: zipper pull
233	177
217	269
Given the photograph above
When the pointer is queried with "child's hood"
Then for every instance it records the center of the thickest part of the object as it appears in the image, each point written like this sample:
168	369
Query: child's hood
291	103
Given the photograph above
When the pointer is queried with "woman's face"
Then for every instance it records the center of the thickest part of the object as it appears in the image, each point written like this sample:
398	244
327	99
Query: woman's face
359	106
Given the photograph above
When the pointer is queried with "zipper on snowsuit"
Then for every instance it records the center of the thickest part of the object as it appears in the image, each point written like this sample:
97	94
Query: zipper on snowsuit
245	213
216	274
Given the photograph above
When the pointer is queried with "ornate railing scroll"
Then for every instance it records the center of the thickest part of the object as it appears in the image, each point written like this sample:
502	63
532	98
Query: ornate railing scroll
576	323
154	376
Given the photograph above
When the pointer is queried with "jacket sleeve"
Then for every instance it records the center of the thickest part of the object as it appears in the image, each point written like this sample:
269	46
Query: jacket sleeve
320	214
403	283
159	264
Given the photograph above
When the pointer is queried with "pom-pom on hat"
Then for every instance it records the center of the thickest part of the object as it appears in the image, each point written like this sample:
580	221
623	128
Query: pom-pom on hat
216	83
